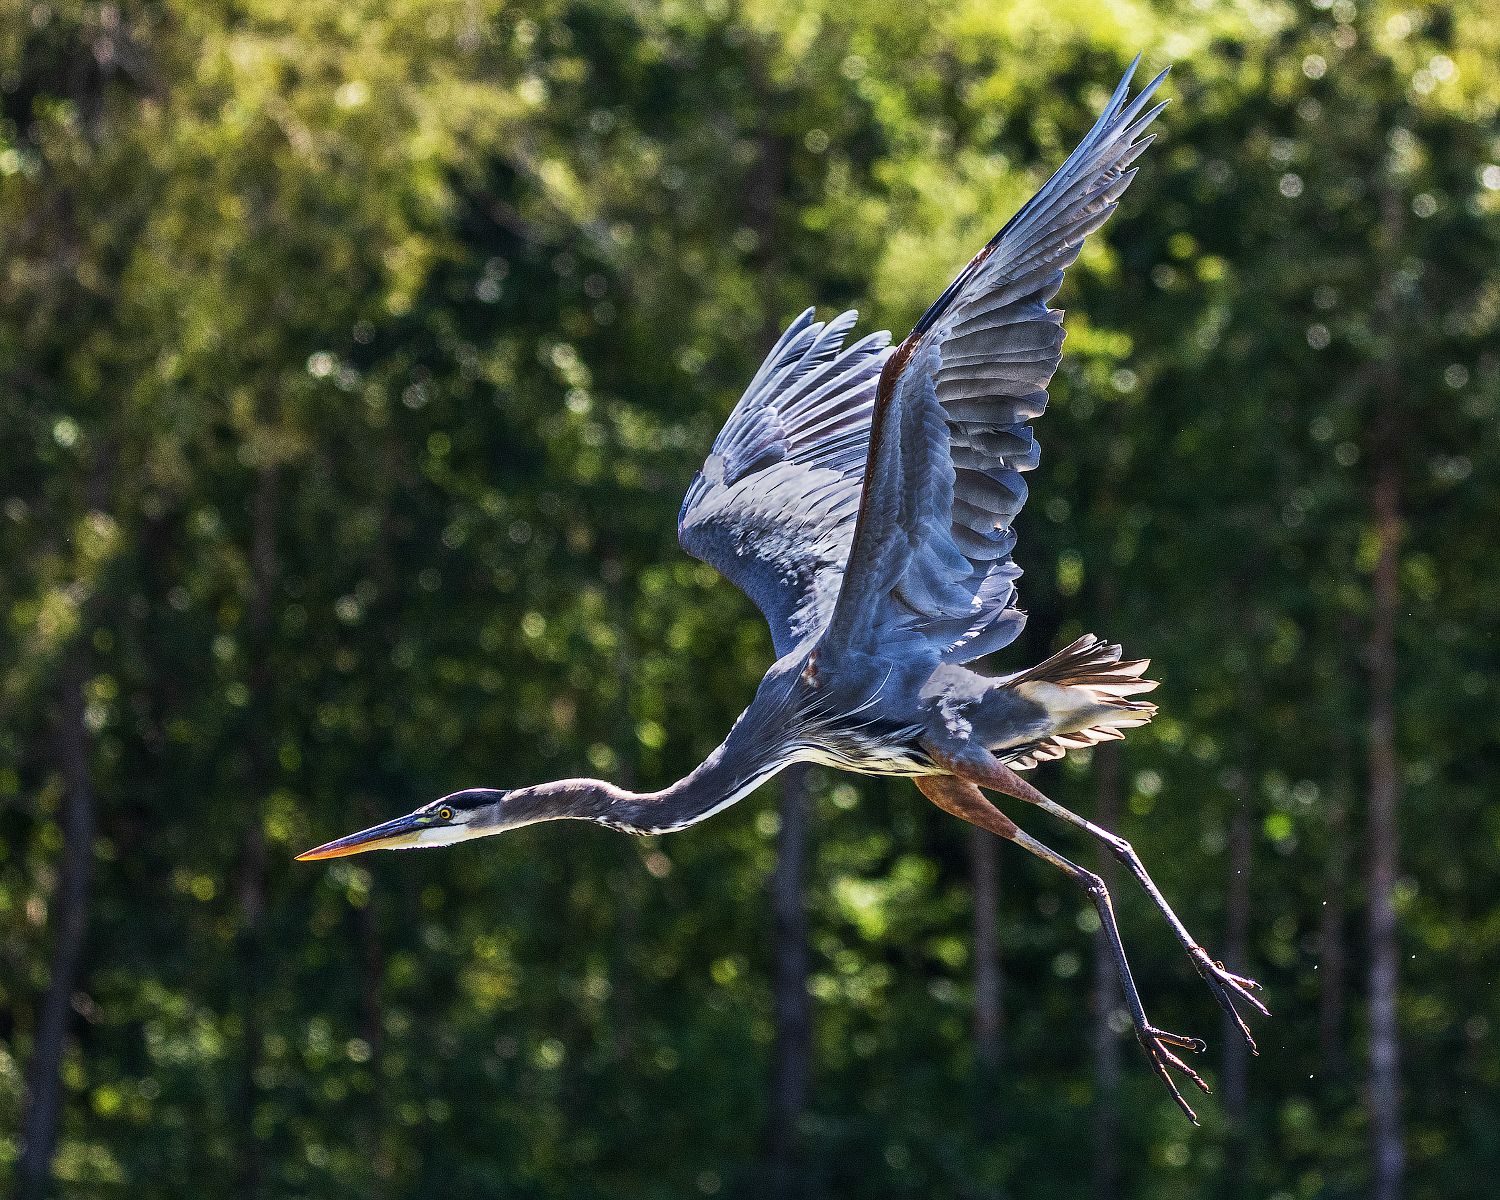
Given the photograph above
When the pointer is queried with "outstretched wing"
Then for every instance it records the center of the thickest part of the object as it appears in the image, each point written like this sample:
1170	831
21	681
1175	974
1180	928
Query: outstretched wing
931	559
774	506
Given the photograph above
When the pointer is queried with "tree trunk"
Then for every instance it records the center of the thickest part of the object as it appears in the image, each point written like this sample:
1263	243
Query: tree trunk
70	908
263	570
1106	999
630	884
371	973
1237	953
791	1049
1385	1080
1332	958
984	857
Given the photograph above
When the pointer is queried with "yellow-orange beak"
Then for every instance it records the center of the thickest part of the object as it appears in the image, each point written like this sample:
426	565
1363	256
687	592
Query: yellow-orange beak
403	831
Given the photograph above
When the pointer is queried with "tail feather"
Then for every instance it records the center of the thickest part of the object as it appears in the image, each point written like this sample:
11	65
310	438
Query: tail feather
1090	690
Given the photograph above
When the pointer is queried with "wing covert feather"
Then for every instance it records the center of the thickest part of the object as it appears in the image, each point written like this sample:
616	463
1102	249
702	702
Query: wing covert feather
773	508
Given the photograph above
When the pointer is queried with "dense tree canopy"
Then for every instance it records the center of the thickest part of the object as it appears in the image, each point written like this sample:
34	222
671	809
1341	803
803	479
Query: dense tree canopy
354	360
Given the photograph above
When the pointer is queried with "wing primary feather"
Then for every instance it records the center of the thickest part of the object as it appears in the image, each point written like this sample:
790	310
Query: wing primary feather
949	438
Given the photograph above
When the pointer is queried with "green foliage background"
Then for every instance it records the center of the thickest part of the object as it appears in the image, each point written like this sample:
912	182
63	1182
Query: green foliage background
444	300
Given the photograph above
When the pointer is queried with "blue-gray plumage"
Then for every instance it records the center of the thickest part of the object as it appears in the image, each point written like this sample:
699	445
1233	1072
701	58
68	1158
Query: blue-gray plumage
864	497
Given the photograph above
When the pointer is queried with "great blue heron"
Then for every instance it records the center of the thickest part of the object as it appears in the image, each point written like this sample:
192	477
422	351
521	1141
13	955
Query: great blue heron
864	498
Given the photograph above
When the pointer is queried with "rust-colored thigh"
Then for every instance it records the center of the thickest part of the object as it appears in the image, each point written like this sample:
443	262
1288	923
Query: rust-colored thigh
964	800
980	767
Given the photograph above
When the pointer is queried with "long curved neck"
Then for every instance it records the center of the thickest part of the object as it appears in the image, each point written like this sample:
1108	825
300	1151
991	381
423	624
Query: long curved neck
736	768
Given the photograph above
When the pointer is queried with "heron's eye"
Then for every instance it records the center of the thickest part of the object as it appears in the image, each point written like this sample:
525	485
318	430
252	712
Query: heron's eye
445	813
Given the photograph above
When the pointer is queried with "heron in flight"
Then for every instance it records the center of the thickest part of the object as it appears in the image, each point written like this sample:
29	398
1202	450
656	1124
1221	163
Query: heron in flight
864	496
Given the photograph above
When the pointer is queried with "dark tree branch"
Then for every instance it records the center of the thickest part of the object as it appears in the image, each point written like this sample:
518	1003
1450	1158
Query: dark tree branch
1105	998
984	858
70	906
791	1051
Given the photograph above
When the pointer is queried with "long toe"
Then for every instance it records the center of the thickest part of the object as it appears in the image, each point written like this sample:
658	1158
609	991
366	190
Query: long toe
1157	1044
1181	1040
1244	987
1227	987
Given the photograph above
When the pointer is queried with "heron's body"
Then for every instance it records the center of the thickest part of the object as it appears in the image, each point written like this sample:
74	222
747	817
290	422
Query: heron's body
853	716
864	497
872	716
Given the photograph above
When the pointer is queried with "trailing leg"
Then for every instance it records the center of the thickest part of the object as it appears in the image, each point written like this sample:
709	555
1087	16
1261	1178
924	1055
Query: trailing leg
966	801
982	769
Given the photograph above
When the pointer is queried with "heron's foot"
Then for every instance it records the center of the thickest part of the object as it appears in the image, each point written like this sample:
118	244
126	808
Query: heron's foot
1226	986
1158	1044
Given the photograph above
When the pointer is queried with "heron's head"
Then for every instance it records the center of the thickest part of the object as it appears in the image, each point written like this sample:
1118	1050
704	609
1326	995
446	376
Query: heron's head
480	812
474	813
